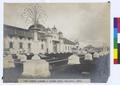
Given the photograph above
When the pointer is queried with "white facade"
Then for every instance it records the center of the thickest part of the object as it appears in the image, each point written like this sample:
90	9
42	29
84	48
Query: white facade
39	40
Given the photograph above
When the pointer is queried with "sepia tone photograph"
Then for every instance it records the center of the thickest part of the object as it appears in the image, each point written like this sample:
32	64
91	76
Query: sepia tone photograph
56	42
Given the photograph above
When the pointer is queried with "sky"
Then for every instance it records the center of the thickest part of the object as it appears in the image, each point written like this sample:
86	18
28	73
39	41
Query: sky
86	22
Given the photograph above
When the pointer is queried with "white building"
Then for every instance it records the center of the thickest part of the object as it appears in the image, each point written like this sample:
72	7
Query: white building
35	39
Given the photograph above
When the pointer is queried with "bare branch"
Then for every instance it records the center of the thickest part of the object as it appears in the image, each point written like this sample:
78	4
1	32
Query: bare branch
33	14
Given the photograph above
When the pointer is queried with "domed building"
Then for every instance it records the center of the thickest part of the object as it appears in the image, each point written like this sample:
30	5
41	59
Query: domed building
36	39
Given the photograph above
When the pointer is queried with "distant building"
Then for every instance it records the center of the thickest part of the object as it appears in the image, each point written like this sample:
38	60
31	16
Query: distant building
35	39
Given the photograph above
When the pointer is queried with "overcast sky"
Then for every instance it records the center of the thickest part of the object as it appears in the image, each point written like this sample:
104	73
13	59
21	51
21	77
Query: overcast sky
88	23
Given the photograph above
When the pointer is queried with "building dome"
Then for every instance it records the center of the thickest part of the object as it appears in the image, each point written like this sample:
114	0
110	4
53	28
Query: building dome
48	29
54	29
37	27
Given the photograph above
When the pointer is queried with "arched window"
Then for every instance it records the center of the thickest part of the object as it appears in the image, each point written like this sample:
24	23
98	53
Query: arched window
11	45
20	45
29	45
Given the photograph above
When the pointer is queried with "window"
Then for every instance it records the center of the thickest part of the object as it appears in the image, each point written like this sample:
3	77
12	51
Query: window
68	47
20	45
29	38
47	50
20	37
29	45
42	46
11	45
42	40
